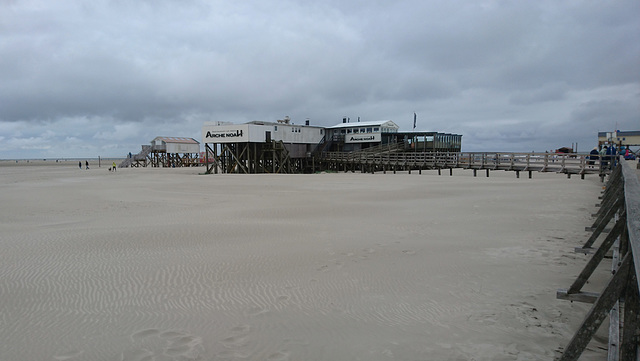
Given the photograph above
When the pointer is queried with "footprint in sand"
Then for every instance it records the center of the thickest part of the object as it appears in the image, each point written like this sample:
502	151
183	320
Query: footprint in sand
144	334
279	356
152	344
235	343
69	355
256	311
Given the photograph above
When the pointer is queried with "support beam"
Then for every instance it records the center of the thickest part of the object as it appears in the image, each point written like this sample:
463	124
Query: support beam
598	312
598	256
603	222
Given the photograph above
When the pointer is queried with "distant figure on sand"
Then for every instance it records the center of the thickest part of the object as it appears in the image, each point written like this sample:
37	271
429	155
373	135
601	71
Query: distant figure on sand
114	166
80	164
87	163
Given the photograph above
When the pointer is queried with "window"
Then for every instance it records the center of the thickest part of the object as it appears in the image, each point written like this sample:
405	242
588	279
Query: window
275	128
369	130
376	129
355	131
349	131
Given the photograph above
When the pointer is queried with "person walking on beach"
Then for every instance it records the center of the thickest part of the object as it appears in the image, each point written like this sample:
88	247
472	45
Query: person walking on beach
607	157
114	166
614	156
87	163
593	156
80	164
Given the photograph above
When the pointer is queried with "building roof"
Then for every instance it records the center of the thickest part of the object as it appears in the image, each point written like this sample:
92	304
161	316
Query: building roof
630	133
260	122
177	140
364	124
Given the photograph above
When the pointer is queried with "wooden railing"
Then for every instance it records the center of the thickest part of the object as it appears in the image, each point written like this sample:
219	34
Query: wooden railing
620	207
573	163
382	148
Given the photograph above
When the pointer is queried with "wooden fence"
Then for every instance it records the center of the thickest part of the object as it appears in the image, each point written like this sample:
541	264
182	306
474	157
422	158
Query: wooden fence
580	164
620	209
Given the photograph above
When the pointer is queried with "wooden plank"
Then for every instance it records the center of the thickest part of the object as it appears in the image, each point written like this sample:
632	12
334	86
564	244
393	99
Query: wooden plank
613	351
614	315
598	312
632	204
584	297
631	320
591	229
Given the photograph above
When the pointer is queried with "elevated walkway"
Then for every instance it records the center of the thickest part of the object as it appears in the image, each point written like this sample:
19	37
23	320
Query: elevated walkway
619	298
397	158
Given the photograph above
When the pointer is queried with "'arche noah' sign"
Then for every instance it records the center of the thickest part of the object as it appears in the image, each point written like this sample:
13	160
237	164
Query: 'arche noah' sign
225	134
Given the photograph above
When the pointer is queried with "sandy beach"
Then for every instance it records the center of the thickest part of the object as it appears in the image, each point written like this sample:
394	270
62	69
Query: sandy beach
168	264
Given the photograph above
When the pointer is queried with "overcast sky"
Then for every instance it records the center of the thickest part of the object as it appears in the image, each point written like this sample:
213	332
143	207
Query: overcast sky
101	78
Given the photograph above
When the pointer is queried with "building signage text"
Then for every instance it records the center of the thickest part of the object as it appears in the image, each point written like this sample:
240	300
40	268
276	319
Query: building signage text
361	138
224	134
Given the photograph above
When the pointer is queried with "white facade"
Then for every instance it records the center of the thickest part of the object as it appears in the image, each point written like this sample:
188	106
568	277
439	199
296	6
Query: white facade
362	132
178	145
182	148
259	132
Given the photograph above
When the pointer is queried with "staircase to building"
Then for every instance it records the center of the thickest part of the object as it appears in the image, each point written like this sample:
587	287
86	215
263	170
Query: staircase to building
132	159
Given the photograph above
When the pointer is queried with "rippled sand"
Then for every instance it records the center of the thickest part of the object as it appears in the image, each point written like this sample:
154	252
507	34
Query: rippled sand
166	264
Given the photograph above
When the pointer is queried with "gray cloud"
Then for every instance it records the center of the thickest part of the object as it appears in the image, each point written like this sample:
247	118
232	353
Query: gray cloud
100	78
